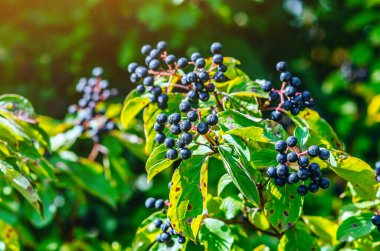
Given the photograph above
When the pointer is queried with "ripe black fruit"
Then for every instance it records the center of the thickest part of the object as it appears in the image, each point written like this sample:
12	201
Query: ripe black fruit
192	116
324	154
169	142
303	161
281	66
160	138
272	172
171	154
291	141
184	153
292	157
313	151
160	204
267	86
280	146
185	125
313	187
202	128
302	190
216	48
276	115
149	203
282	171
211	120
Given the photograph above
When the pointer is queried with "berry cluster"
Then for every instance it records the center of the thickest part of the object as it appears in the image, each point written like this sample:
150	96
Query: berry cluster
152	203
197	84
181	129
295	166
167	233
92	120
291	99
377	171
376	220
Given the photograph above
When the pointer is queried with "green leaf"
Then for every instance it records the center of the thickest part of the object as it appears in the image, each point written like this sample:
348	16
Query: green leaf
283	205
224	182
18	106
355	227
9	237
146	233
358	173
215	235
298	239
302	134
157	162
320	132
231	206
132	106
322	227
264	158
245	102
258	219
239	174
22	185
10	131
250	133
230	119
188	194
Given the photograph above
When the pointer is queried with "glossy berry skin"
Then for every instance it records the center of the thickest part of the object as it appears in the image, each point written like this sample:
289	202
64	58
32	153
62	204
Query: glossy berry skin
204	96
185	125
281	66
313	187
161	118
158	127
160	204
293	178
192	95
203	76
169	142
159	138
198	86
282	171
276	116
313	151
375	220
216	48
165	237
296	82
195	56
211	120
292	157
303	174
219	77
182	62
267	86
140	89
202	128
184	153
290	91
291	141
165	227
146	49
280	146
295	110
157	223
281	158
186	137
200	63
272	172
285	76
162	45
181	144
303	161
149	203
185	106
217	59
324	154
174	118
316	176
210	87
222	68
181	239
156	91
154	53
175	129
148	81
171	154
274	96
306	95
279	182
132	67
170	59
163	98
191	77
324	183
302	190
192	116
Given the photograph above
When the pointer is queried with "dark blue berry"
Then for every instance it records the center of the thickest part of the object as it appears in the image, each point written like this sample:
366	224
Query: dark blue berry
175	129
200	63
158	238
163	98
181	239
148	81
276	115
303	161
285	76
272	172
160	138
147	60
219	76
211	119
170	59
184	153
182	62
191	77
313	187
192	116
295	110
149	203
161	118
160	204
314	167
324	183
162	45
195	56
292	157
157	223
267	86
281	66
282	171
185	125
291	141
313	151
203	76
302	190
280	181
140	89
274	96
210	87
192	95
293	178
198	86
217	59
154	64
315	176
324	154
146	49
306	95
158	127
216	48
184	80
141	72
174	118
222	68
181	144
202	128
186	137
156	91
169	142
132	67
204	96
134	78
165	227
185	106
171	154
165	237
290	91
375	220
280	146
281	158
296	82
303	174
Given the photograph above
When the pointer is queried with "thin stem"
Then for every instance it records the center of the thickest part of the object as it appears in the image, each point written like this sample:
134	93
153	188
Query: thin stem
94	152
218	101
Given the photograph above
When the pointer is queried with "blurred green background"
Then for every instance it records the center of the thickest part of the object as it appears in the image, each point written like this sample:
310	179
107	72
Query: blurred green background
333	46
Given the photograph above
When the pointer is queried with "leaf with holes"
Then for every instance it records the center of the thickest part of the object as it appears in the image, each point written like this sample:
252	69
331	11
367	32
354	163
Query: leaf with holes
188	194
355	227
216	235
283	205
241	177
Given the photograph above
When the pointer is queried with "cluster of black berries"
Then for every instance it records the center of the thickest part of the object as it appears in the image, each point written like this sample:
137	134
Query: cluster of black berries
180	128
152	203
288	154
88	117
353	73
167	234
376	220
377	171
291	99
158	63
